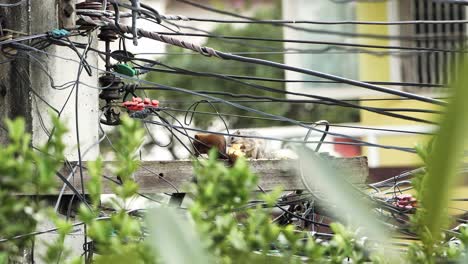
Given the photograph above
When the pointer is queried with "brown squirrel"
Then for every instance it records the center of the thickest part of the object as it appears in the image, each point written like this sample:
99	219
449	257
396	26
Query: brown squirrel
204	142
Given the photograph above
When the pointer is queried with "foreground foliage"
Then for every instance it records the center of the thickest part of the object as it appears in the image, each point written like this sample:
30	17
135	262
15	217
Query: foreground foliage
227	231
24	170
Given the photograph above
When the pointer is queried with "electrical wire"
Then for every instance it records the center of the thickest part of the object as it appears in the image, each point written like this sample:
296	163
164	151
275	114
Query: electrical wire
356	143
243	108
316	22
297	28
163	113
305	122
19	2
301	41
211	52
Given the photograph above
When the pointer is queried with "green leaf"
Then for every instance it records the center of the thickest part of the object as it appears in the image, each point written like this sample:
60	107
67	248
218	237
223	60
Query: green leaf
94	185
174	239
341	198
3	258
16	129
446	156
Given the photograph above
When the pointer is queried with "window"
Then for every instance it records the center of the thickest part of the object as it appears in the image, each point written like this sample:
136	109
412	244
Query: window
320	57
431	67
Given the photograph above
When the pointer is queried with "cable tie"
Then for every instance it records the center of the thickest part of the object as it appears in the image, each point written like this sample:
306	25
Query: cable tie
59	33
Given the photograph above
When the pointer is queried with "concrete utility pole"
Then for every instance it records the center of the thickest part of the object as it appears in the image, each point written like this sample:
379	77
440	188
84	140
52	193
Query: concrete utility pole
25	81
26	89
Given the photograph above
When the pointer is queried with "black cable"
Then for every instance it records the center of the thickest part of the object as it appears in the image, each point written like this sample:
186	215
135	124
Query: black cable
460	2
338	102
138	193
304	122
331	77
291	101
2	240
85	62
379	110
207	51
157	16
320	51
195	105
172	127
312	42
295	215
77	128
13	4
267	114
319	22
262	118
229	41
317	31
356	142
67	163
187	72
74	190
325	101
191	139
19	39
255	78
239	106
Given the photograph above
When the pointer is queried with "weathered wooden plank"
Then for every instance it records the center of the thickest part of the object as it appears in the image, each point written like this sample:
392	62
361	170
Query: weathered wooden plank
153	176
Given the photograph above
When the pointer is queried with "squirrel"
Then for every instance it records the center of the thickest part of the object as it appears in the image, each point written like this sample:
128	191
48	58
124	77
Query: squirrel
250	147
204	142
240	144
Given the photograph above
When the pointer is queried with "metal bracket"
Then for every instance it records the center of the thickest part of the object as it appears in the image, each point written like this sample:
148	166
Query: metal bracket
67	14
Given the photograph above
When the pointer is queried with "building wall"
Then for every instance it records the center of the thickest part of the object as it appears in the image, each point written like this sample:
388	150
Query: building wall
369	68
387	68
338	60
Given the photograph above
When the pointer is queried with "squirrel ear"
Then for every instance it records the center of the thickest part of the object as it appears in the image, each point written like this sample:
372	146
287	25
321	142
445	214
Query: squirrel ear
197	137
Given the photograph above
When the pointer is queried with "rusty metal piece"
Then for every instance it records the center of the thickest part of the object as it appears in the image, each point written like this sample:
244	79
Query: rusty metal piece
112	116
107	34
112	90
90	5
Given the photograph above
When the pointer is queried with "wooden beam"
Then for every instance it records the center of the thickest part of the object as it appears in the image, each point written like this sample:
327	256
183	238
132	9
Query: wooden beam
153	176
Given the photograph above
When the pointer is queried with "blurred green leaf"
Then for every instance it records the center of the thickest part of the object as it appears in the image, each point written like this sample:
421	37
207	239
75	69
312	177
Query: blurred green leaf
339	196
175	239
25	170
3	258
94	185
445	159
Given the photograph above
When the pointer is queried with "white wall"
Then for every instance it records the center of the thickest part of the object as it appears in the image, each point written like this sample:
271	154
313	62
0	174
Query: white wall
63	70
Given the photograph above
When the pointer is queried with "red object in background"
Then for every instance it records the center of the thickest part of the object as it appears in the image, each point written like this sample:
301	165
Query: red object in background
406	201
138	104
346	150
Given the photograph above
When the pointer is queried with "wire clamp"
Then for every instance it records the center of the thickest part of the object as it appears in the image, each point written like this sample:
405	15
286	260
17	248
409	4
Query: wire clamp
125	69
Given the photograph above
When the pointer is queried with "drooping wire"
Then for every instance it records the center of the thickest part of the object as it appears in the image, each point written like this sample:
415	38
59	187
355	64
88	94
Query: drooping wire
232	104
